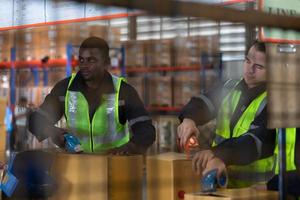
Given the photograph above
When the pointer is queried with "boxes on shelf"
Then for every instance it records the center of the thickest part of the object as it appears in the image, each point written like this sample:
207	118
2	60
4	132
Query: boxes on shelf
6	42
56	74
27	37
166	133
184	88
188	50
25	78
158	53
160	91
135	54
6	39
27	53
4	55
94	176
169	176
235	194
98	31
138	83
35	95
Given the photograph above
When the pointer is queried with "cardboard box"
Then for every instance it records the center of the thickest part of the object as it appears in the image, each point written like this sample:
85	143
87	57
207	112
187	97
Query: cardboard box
159	53
139	84
188	50
169	176
185	87
235	194
3	137
135	54
160	91
94	177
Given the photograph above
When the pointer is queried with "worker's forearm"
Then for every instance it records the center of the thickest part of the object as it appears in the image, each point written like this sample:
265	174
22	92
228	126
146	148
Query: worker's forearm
237	151
143	134
40	126
197	110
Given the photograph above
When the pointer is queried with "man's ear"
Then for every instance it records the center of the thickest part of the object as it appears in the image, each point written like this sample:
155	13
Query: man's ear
107	61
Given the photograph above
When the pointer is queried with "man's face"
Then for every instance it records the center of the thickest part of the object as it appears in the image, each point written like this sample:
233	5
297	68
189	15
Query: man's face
255	68
91	63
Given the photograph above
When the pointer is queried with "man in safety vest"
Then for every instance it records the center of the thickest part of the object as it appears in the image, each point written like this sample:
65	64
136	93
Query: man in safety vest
103	111
241	125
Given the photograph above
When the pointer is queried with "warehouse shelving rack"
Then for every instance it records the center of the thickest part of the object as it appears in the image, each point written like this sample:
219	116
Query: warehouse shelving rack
205	64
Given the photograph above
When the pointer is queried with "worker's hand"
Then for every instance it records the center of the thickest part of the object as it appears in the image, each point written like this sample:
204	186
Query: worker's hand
57	136
2	165
128	149
201	159
215	163
185	130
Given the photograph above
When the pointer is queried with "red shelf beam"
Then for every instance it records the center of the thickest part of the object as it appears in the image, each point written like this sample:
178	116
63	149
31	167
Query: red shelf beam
25	64
158	69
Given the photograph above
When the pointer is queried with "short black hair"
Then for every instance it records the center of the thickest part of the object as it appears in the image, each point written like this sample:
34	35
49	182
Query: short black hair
98	43
259	46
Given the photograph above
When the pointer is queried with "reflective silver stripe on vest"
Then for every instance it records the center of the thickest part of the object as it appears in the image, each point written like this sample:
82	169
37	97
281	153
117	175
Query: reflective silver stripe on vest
72	108
138	119
251	176
102	139
110	111
218	139
261	106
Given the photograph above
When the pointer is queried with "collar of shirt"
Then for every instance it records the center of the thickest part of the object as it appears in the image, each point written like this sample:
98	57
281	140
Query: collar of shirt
105	87
250	93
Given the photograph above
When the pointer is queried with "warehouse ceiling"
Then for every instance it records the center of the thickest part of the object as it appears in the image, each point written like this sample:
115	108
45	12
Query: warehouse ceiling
214	12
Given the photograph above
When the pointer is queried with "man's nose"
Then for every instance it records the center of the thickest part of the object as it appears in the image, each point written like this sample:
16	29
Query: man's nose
252	68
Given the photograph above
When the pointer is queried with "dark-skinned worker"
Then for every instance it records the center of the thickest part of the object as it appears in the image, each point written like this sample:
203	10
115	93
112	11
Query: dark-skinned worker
103	111
242	142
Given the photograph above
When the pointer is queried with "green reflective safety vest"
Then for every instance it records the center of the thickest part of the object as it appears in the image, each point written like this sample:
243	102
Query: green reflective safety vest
289	150
104	131
258	171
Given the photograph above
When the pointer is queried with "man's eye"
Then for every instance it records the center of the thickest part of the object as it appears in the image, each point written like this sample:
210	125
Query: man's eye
81	60
92	60
259	67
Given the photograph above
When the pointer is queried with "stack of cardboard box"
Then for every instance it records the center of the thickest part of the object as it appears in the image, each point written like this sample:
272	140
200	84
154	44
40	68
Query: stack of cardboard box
6	41
135	54
188	50
138	83
184	88
159	53
160	90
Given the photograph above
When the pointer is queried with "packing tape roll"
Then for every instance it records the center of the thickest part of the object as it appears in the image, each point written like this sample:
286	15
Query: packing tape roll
223	180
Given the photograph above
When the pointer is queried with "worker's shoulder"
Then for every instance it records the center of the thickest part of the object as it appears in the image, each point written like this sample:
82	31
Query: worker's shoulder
127	88
62	85
231	83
